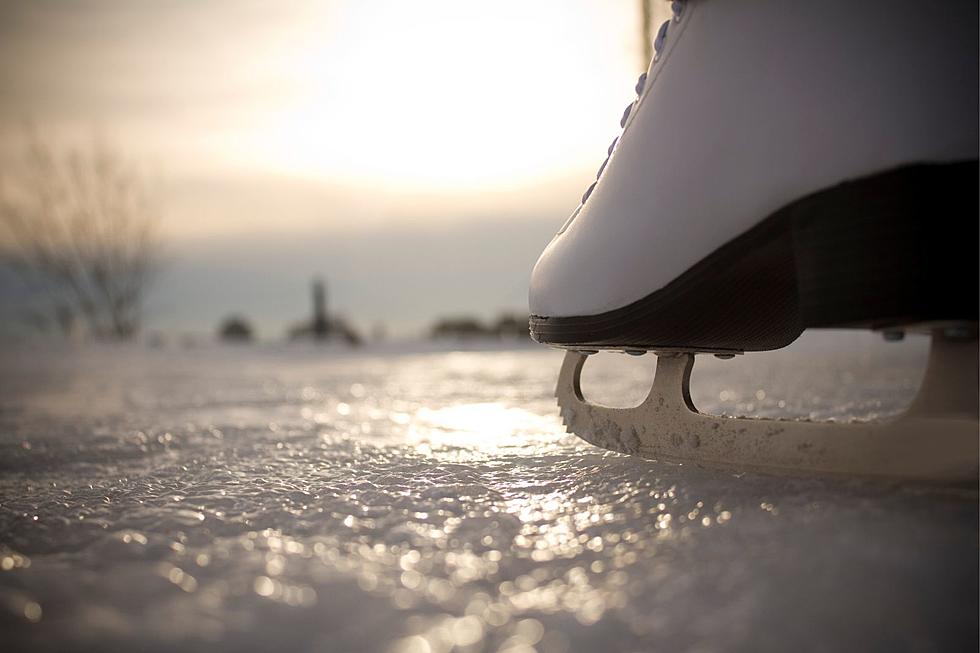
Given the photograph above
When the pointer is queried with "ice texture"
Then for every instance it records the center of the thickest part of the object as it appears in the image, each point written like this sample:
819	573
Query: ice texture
303	499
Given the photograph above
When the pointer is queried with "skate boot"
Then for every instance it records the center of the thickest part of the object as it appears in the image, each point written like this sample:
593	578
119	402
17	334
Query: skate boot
785	165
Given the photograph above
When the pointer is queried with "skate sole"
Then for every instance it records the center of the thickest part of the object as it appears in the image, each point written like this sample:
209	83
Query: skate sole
894	248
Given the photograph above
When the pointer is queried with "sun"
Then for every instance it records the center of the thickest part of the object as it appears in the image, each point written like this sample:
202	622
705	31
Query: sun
450	95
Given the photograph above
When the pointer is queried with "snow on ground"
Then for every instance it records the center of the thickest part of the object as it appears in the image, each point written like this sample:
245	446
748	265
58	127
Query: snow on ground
291	498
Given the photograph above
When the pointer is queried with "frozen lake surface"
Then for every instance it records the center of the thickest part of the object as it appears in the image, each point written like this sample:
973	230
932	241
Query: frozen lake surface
291	498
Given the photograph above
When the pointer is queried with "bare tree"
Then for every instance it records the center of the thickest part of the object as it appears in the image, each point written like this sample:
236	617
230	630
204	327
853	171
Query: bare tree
646	31
652	14
83	229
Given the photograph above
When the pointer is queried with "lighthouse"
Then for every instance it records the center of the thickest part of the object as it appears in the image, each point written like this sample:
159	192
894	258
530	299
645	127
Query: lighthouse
321	326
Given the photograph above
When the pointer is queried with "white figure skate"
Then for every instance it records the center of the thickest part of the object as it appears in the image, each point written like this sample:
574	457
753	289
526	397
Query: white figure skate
785	165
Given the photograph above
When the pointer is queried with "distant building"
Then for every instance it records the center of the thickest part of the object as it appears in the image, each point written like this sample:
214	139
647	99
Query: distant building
465	328
235	329
459	328
513	326
322	327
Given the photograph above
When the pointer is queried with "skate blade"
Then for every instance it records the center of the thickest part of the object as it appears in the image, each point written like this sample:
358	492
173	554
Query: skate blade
936	439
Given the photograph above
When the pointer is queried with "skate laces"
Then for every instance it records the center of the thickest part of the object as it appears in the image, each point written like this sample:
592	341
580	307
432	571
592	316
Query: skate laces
676	8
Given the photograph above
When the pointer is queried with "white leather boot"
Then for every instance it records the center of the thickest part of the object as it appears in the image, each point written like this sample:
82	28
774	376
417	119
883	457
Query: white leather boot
786	164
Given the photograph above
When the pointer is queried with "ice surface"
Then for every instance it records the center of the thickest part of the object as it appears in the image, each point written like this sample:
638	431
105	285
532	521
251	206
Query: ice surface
292	498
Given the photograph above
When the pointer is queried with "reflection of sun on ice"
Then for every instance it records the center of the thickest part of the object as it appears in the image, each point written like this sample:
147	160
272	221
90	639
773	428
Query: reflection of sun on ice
481	426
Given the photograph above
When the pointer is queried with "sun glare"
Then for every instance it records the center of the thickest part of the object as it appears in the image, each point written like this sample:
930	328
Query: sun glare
451	95
483	428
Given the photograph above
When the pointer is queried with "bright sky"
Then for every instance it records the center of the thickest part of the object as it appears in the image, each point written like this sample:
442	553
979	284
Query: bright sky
343	117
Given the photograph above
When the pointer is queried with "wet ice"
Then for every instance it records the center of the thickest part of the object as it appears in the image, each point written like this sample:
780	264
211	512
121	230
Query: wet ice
296	499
